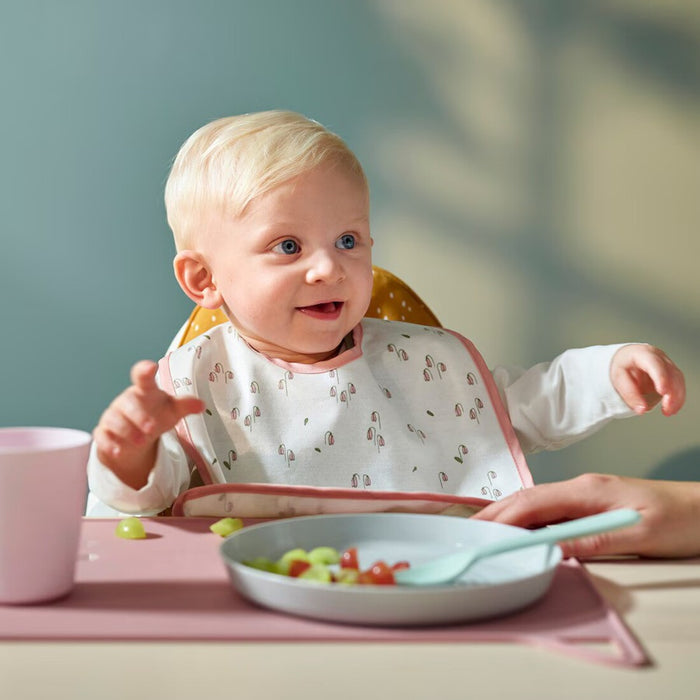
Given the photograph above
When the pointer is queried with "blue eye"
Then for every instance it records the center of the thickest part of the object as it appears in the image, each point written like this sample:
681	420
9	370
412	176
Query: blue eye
287	247
346	241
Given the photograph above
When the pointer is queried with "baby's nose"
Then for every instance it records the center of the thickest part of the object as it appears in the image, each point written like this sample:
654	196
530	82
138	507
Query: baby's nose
324	267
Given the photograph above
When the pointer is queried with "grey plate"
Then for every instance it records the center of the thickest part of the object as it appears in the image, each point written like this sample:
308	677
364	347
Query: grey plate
496	586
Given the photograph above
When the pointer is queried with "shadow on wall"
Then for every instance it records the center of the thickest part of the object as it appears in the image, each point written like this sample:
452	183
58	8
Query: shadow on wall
500	130
554	170
682	466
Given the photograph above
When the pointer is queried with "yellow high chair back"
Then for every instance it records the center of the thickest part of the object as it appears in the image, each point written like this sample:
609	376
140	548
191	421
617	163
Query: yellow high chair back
392	299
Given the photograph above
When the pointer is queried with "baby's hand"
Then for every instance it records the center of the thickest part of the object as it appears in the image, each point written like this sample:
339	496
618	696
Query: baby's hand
127	434
644	375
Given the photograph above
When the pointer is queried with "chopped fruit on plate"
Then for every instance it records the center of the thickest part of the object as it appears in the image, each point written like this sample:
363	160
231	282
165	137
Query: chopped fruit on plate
379	573
327	565
317	572
346	576
324	555
285	561
297	567
263	564
348	559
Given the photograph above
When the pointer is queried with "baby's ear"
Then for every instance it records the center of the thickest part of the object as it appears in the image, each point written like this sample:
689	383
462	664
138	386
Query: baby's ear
195	278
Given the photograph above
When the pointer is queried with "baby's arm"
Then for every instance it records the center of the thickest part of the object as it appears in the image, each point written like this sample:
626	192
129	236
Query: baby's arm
126	437
110	497
555	404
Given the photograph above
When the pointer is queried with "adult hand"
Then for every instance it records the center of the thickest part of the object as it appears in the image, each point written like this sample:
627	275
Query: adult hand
670	510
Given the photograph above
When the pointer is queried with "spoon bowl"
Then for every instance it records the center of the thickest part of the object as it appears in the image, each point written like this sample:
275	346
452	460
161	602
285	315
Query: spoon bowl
447	568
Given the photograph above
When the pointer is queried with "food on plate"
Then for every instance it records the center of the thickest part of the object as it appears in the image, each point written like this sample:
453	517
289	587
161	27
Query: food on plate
317	572
348	559
347	576
130	529
324	555
284	562
328	565
226	526
263	564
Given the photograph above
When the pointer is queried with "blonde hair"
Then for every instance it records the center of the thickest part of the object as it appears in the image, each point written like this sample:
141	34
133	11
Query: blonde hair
227	163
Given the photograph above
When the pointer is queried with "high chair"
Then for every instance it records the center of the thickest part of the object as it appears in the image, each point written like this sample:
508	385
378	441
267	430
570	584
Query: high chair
392	299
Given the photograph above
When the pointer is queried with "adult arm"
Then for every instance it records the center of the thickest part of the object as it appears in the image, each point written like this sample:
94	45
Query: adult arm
670	525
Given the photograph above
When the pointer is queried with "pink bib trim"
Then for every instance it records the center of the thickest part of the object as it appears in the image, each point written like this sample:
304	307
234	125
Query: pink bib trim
263	500
503	419
183	432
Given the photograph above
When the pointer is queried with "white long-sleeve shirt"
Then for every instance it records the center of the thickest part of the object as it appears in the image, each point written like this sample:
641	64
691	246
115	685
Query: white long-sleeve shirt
549	406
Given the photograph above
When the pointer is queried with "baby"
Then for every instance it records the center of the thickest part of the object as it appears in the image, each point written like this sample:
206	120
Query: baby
270	215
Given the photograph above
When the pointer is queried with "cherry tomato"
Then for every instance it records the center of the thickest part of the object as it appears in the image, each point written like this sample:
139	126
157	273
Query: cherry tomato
365	577
379	573
348	559
297	566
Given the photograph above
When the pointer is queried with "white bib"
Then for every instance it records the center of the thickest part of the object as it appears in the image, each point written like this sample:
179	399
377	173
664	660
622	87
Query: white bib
409	409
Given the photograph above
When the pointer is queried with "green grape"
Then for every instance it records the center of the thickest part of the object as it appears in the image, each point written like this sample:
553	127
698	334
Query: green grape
324	555
226	526
262	564
130	529
318	573
347	577
288	557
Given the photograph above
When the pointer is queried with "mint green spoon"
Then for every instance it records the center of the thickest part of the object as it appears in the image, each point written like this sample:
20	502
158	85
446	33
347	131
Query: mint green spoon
447	568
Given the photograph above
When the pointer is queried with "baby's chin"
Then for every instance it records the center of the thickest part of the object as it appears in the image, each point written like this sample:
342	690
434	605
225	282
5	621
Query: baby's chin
303	358
308	348
306	354
318	352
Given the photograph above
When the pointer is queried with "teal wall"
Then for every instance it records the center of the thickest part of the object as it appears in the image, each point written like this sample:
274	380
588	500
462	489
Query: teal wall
97	98
538	158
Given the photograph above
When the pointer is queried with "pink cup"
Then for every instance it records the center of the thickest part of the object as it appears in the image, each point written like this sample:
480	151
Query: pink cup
43	486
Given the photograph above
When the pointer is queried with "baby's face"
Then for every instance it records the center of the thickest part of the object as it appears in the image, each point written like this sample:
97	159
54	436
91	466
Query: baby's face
295	270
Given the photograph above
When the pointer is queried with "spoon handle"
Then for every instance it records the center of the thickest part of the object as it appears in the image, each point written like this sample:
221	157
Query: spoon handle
591	525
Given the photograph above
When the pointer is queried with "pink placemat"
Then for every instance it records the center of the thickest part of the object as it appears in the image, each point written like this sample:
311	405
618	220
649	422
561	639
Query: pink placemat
174	586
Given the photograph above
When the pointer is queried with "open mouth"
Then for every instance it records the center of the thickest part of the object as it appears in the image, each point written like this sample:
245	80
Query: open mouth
328	310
